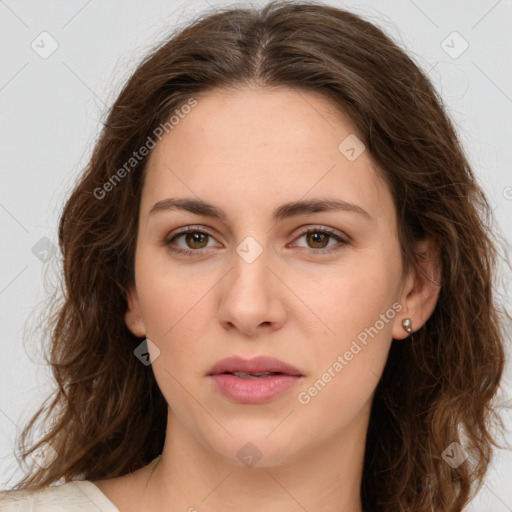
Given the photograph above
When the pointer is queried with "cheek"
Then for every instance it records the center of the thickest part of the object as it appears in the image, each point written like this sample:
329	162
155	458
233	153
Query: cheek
178	318
353	328
172	299
347	367
349	298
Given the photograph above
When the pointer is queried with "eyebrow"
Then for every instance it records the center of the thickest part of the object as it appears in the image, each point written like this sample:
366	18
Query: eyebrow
285	211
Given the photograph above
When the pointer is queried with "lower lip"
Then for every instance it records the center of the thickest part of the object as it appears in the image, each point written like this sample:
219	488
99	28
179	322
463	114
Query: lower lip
253	391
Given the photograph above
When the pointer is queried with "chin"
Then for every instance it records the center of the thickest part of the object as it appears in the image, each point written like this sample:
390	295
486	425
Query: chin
256	448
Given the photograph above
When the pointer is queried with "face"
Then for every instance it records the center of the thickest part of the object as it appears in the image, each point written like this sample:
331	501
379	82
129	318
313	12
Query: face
317	287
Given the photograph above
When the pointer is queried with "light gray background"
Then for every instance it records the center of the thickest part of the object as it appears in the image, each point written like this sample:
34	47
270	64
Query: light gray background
51	111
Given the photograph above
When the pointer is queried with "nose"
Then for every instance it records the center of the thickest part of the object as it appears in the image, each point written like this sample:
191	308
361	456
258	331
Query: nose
253	298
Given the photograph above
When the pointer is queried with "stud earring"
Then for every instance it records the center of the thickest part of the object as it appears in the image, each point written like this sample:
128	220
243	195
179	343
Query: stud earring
407	325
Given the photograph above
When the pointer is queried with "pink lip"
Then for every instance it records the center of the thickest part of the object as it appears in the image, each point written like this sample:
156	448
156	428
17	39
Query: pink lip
253	391
255	365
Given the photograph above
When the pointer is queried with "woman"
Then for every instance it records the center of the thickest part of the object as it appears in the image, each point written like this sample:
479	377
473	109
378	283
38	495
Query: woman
277	285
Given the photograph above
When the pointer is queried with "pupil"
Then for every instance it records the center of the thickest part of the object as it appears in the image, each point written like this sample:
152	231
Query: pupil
196	238
318	238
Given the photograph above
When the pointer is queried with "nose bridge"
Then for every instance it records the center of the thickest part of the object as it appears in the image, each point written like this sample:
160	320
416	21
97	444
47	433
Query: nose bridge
250	263
250	298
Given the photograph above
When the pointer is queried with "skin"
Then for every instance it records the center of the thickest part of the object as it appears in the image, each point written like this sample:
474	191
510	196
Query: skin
248	151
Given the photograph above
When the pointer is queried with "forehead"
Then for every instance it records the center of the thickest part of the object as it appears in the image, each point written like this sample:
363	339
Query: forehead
261	146
286	123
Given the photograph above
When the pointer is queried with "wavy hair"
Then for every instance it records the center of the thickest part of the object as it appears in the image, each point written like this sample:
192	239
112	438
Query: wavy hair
437	388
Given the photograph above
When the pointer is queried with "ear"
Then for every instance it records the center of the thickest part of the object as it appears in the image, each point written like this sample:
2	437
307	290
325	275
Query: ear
133	316
421	289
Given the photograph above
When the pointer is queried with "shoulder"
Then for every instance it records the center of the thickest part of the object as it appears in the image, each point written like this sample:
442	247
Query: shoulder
78	495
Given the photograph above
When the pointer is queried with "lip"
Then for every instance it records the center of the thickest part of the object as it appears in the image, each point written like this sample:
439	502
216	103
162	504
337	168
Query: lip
253	391
257	364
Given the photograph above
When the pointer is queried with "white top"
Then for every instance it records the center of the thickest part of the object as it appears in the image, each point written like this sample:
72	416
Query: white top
76	496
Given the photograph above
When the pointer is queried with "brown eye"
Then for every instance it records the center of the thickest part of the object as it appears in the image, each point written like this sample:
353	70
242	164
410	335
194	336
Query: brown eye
322	240
317	240
196	239
190	241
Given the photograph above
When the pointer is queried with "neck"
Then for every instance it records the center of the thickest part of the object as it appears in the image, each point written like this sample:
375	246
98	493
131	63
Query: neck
324	476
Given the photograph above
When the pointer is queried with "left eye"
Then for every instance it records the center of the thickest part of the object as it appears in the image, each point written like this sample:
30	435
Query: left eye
320	238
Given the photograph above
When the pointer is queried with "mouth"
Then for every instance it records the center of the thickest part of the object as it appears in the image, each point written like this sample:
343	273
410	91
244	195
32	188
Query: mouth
253	381
245	375
255	368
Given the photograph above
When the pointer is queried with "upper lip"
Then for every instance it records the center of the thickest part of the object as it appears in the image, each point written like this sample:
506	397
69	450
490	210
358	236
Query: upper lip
258	364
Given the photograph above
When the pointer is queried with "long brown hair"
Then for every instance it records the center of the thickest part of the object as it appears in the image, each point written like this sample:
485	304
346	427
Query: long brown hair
108	416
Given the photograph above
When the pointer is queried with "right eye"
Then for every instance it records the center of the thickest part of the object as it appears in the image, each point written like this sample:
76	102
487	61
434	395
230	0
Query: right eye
195	240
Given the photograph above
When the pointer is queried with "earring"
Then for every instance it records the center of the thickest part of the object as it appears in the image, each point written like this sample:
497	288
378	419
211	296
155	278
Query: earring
407	325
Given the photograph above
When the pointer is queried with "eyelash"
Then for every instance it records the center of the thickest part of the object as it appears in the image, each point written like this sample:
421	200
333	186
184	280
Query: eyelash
197	252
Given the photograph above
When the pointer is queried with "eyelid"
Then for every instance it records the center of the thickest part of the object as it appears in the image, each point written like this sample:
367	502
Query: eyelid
187	229
313	228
